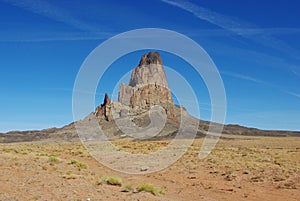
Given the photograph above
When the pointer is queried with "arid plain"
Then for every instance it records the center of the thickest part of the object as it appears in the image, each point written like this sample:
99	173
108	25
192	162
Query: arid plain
239	168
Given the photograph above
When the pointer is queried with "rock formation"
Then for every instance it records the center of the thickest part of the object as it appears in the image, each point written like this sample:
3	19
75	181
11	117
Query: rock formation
105	108
149	71
148	86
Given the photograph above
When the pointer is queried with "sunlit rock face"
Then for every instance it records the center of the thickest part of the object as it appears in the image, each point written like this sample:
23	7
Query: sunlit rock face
148	85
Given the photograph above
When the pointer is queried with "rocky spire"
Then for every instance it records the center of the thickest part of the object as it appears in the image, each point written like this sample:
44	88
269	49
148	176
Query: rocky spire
150	58
104	109
148	85
149	71
106	100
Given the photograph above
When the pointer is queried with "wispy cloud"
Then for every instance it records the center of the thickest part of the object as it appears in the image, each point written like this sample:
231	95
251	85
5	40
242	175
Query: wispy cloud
296	70
293	94
249	78
46	9
243	77
250	32
237	26
269	31
210	16
71	37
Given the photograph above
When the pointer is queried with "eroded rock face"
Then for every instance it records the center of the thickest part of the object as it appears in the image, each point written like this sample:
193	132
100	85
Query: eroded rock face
110	110
148	74
149	71
150	58
124	94
148	86
149	95
104	110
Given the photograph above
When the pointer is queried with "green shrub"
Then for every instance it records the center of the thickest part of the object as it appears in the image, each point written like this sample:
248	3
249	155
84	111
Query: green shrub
116	181
53	159
149	188
128	187
78	164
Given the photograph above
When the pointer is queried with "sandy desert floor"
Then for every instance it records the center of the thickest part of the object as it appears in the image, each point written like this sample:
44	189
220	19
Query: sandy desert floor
239	168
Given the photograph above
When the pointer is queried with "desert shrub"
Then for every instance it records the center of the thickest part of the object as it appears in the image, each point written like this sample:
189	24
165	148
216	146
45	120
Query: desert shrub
78	164
116	181
53	159
149	188
128	187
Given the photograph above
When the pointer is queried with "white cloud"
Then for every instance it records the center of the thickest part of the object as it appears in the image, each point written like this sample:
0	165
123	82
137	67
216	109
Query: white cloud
211	16
244	77
238	27
71	37
293	94
46	9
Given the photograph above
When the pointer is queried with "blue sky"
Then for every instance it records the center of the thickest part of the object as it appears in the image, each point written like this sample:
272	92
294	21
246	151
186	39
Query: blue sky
254	44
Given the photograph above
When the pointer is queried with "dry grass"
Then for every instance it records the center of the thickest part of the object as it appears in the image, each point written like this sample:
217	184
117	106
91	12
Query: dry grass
235	166
140	147
150	188
274	160
78	164
115	181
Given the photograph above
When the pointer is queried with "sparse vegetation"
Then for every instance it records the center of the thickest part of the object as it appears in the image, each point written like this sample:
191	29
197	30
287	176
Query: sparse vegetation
41	154
16	150
287	185
141	147
115	181
150	188
53	159
70	175
78	164
271	163
77	152
257	179
128	187
6	150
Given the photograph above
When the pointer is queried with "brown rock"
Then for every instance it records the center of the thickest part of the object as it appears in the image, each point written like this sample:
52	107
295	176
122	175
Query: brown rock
124	94
148	86
149	71
150	58
104	109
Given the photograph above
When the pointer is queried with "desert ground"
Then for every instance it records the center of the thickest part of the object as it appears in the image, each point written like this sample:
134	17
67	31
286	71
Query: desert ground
239	168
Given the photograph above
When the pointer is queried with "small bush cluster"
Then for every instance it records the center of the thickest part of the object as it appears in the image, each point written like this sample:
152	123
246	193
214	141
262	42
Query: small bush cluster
115	181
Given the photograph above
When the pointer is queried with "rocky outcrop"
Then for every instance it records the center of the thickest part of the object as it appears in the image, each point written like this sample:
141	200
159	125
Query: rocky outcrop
150	58
149	71
124	94
152	94
104	110
148	86
109	109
